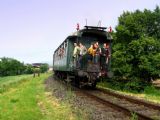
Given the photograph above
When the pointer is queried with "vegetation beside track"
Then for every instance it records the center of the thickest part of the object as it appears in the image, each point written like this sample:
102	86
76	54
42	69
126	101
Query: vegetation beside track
150	93
136	48
28	100
11	81
11	66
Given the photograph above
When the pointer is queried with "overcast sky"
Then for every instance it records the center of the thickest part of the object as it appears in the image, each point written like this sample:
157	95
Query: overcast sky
30	30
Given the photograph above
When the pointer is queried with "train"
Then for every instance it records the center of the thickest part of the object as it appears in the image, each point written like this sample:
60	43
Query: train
82	69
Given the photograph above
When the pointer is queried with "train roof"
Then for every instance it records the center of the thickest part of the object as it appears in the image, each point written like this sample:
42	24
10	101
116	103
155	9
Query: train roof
92	30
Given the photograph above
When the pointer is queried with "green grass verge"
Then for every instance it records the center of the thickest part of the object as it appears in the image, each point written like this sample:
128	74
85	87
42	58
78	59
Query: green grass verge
150	93
29	101
10	81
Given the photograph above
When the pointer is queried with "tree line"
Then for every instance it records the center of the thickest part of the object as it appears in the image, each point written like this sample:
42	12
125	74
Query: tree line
136	48
10	66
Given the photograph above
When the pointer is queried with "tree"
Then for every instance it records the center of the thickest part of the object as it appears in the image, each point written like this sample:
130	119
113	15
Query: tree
44	67
28	69
136	48
10	66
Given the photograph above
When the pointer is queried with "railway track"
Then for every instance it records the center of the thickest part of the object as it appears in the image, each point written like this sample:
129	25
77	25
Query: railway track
121	103
102	108
143	110
95	109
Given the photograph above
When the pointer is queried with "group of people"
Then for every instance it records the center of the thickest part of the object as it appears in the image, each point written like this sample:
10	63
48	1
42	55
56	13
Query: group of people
78	53
95	53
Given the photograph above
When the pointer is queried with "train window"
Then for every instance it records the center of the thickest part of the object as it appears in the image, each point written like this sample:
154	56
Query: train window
64	44
62	52
65	47
55	55
58	52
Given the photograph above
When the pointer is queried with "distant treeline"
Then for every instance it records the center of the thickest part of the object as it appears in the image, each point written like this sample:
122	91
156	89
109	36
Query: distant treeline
10	66
136	48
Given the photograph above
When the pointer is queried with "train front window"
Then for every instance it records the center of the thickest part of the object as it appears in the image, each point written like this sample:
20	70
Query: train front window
88	40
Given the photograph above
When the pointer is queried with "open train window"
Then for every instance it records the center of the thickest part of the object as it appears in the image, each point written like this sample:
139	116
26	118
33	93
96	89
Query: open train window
65	44
65	47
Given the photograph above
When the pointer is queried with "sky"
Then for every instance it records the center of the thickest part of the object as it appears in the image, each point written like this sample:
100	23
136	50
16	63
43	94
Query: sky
30	30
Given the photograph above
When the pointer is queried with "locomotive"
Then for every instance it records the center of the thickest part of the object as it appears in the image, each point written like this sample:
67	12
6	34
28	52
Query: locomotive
86	71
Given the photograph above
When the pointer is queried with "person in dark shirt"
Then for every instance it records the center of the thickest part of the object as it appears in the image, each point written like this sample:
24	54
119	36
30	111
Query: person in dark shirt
104	56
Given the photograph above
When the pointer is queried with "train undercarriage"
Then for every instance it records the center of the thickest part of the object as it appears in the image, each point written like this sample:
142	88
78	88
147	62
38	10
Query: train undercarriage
78	78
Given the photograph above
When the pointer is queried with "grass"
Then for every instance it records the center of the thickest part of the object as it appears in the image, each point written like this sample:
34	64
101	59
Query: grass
10	81
28	100
19	102
150	93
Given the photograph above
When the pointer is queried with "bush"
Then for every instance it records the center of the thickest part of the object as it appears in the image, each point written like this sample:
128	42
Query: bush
10	66
28	69
44	67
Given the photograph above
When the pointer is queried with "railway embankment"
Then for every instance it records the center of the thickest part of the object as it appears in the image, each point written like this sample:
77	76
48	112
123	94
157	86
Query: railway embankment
83	106
93	104
150	93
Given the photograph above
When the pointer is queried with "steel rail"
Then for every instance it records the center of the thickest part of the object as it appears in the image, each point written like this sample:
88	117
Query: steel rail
118	107
130	99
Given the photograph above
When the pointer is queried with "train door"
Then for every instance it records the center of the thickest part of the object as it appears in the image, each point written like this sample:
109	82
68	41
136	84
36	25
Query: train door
71	60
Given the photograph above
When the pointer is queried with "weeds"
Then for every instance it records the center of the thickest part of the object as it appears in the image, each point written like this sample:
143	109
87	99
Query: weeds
134	116
149	93
6	86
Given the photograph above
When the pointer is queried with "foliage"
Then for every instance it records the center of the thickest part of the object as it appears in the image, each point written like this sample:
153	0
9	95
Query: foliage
10	66
136	47
28	69
44	67
152	91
